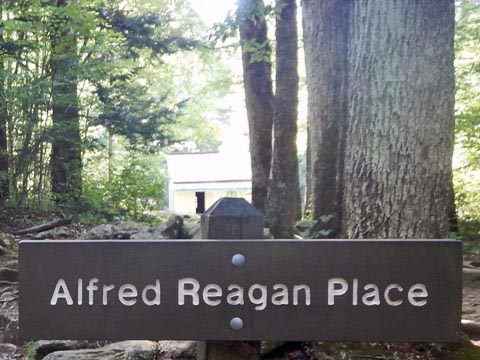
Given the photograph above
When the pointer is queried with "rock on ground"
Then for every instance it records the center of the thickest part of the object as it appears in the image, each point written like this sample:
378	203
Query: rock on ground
45	347
7	274
171	229
12	352
125	350
192	229
176	350
174	228
6	240
62	232
121	230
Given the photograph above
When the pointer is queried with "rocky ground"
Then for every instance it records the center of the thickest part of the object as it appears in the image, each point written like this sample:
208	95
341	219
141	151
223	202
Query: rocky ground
179	228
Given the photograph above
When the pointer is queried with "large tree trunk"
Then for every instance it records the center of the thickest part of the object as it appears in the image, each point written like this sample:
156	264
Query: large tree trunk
66	162
284	205
325	29
400	133
381	94
257	79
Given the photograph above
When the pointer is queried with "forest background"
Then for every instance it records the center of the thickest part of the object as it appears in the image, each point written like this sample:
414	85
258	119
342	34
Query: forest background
94	94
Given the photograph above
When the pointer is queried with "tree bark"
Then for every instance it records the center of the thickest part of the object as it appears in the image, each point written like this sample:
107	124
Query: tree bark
66	161
257	80
284	205
325	31
399	146
380	79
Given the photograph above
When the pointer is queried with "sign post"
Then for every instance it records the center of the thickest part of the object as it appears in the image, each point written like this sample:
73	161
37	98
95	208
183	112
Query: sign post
227	219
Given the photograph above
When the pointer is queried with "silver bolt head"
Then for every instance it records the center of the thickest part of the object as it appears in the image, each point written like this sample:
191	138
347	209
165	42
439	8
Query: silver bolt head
238	260
236	324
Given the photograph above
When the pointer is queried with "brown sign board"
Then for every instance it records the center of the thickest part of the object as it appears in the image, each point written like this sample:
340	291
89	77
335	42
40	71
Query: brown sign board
331	290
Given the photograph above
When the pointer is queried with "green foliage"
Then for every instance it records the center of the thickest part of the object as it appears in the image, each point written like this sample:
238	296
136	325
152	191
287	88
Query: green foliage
468	230
255	12
144	76
30	348
467	129
138	188
134	190
258	52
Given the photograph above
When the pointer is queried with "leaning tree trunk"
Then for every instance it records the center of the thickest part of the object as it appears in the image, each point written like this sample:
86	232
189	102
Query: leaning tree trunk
257	79
66	161
325	28
399	142
284	205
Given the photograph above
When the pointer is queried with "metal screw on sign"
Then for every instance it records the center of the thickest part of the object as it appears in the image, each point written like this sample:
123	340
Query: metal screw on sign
236	323
238	260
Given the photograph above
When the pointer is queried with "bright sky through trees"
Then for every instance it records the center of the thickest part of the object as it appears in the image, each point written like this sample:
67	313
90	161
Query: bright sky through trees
213	11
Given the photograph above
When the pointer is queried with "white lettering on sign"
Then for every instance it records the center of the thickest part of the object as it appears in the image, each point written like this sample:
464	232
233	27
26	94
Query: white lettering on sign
417	291
106	289
296	291
260	301
257	294
281	296
190	292
387	294
211	293
61	292
127	293
339	288
91	288
235	297
156	290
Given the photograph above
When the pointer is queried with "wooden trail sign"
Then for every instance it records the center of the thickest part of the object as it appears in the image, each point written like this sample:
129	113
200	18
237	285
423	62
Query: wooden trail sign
355	290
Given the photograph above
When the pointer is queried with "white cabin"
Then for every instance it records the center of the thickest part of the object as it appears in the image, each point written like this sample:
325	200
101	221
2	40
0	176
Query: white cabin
197	180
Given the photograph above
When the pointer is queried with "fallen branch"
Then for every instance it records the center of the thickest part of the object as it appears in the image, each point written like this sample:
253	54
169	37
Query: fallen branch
43	227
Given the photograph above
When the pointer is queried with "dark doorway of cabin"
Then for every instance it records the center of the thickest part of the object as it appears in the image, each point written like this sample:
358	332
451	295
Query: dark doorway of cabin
200	202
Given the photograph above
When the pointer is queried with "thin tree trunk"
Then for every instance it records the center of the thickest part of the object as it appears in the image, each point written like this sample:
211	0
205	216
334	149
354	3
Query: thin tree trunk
40	173
4	158
308	180
257	80
12	134
397	178
110	156
66	161
325	29
284	195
